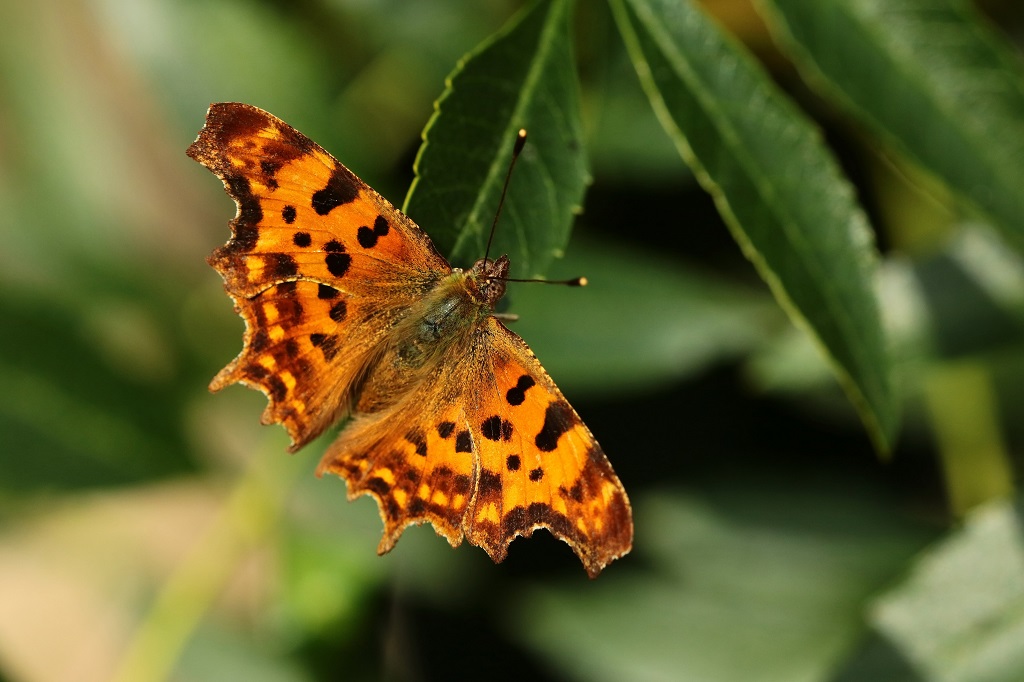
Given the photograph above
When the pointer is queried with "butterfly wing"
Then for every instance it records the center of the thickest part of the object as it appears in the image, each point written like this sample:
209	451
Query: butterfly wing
319	265
540	467
488	449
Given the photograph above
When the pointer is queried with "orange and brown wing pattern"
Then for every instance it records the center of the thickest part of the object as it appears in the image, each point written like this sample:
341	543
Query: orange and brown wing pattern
539	465
319	265
301	213
416	460
488	450
305	347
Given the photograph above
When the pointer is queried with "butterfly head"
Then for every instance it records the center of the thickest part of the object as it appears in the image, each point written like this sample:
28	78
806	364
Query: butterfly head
486	280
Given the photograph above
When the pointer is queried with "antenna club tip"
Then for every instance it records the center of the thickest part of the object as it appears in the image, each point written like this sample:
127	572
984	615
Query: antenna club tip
578	282
520	141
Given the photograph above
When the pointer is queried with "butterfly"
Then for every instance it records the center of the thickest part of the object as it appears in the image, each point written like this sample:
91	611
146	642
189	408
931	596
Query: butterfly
351	312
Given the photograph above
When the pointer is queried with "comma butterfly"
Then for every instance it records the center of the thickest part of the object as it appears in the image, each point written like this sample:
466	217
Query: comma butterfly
351	311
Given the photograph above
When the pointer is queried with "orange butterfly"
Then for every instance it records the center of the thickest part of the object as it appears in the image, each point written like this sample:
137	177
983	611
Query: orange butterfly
350	311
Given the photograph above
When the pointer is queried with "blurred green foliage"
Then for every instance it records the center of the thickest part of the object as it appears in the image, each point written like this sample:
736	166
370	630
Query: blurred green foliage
864	154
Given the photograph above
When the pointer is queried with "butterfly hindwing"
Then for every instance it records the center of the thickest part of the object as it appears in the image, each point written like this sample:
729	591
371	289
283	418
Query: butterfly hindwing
419	469
502	455
296	333
540	467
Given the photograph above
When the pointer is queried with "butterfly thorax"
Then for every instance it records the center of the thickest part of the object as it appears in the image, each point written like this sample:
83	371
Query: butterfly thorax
439	325
457	303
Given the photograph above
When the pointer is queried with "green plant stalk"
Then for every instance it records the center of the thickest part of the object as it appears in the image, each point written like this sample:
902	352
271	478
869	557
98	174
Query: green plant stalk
961	404
248	517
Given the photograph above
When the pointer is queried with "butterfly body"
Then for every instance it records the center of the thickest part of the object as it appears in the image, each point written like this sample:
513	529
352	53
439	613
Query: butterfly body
453	310
350	311
432	334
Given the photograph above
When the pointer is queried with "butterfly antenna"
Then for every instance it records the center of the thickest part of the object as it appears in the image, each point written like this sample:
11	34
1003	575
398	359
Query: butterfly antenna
574	282
516	150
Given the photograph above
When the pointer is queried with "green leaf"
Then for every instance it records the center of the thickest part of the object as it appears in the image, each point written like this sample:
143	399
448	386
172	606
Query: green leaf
960	614
930	79
523	77
775	184
751	582
88	394
643	320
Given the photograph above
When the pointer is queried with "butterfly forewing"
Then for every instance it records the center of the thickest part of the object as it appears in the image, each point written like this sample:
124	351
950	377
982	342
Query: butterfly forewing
302	213
320	266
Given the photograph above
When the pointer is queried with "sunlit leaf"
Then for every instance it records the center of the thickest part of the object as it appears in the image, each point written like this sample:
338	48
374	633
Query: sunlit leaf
930	78
778	188
959	616
523	77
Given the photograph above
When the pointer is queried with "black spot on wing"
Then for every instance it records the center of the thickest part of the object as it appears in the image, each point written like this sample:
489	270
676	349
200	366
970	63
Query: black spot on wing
512	463
558	418
368	236
463	442
338	263
327	343
282	265
496	428
288	214
269	169
536	474
517	394
260	341
575	492
302	239
342	188
256	372
337	260
379	486
445	429
520	519
461	484
489	487
326	292
338	311
276	386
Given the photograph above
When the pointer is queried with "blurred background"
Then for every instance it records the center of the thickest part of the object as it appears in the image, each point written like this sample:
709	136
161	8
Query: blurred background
150	530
